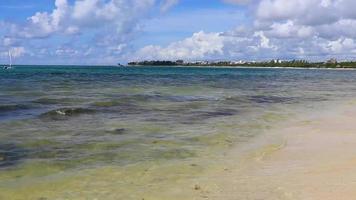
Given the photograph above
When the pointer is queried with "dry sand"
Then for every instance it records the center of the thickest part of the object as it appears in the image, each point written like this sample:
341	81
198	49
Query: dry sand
316	160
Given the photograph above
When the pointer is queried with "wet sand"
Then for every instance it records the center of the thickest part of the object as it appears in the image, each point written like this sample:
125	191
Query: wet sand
315	158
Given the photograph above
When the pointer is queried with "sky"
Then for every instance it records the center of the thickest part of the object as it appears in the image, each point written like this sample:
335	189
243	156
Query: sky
106	32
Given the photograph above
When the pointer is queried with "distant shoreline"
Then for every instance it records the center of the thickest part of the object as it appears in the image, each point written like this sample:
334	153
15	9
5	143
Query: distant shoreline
329	64
197	66
245	67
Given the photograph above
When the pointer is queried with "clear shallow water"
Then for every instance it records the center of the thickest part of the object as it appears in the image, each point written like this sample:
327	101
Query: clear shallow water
65	127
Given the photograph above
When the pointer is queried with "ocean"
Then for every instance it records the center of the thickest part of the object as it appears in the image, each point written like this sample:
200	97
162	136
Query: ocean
90	132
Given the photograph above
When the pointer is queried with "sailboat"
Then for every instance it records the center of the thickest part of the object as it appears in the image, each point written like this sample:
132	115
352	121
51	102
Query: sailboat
10	65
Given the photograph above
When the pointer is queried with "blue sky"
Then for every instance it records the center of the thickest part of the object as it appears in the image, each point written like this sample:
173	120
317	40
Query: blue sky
111	31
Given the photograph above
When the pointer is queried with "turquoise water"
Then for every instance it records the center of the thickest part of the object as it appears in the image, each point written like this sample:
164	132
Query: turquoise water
60	120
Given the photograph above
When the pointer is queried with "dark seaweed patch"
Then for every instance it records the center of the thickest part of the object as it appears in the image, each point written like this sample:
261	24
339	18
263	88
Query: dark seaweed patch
137	98
188	116
123	108
54	101
118	131
174	154
236	99
106	104
271	99
187	98
11	154
219	113
204	115
155	98
13	107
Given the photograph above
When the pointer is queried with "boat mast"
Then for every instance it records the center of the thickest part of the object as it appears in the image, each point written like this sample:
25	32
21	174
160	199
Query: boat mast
10	57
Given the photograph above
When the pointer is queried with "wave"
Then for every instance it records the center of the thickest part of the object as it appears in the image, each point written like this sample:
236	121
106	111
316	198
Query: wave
64	113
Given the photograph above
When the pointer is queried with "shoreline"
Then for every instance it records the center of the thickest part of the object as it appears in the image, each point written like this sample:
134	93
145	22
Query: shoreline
258	141
311	158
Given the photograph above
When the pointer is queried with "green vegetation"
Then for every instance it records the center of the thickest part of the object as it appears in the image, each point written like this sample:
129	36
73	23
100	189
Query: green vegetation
332	63
154	63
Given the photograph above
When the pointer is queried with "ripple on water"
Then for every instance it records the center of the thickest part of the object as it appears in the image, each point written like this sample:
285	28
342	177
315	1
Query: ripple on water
269	99
57	101
13	107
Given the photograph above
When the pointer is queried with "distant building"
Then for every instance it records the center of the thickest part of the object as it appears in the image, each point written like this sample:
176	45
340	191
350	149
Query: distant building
202	62
277	61
331	61
238	62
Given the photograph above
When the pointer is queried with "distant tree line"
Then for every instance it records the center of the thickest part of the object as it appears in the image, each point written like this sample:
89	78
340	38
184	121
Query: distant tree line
332	63
273	63
154	63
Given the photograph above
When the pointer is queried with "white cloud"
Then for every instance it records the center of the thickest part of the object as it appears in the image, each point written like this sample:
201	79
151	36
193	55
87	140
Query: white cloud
103	30
99	25
167	4
203	45
289	29
200	45
312	29
66	52
120	15
264	41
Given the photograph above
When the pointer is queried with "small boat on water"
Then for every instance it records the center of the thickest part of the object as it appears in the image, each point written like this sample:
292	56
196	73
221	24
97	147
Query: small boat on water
120	65
6	67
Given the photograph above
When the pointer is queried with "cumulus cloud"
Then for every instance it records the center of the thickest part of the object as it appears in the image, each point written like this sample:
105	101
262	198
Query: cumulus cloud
104	24
105	29
312	29
203	45
74	18
200	45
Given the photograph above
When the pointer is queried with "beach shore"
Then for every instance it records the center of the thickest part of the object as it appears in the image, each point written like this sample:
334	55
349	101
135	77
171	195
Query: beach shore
177	133
315	158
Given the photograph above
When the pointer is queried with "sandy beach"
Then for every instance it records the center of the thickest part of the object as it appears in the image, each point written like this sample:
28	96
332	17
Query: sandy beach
315	159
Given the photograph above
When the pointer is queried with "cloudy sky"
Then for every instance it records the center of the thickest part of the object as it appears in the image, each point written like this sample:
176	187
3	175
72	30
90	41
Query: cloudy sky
111	31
